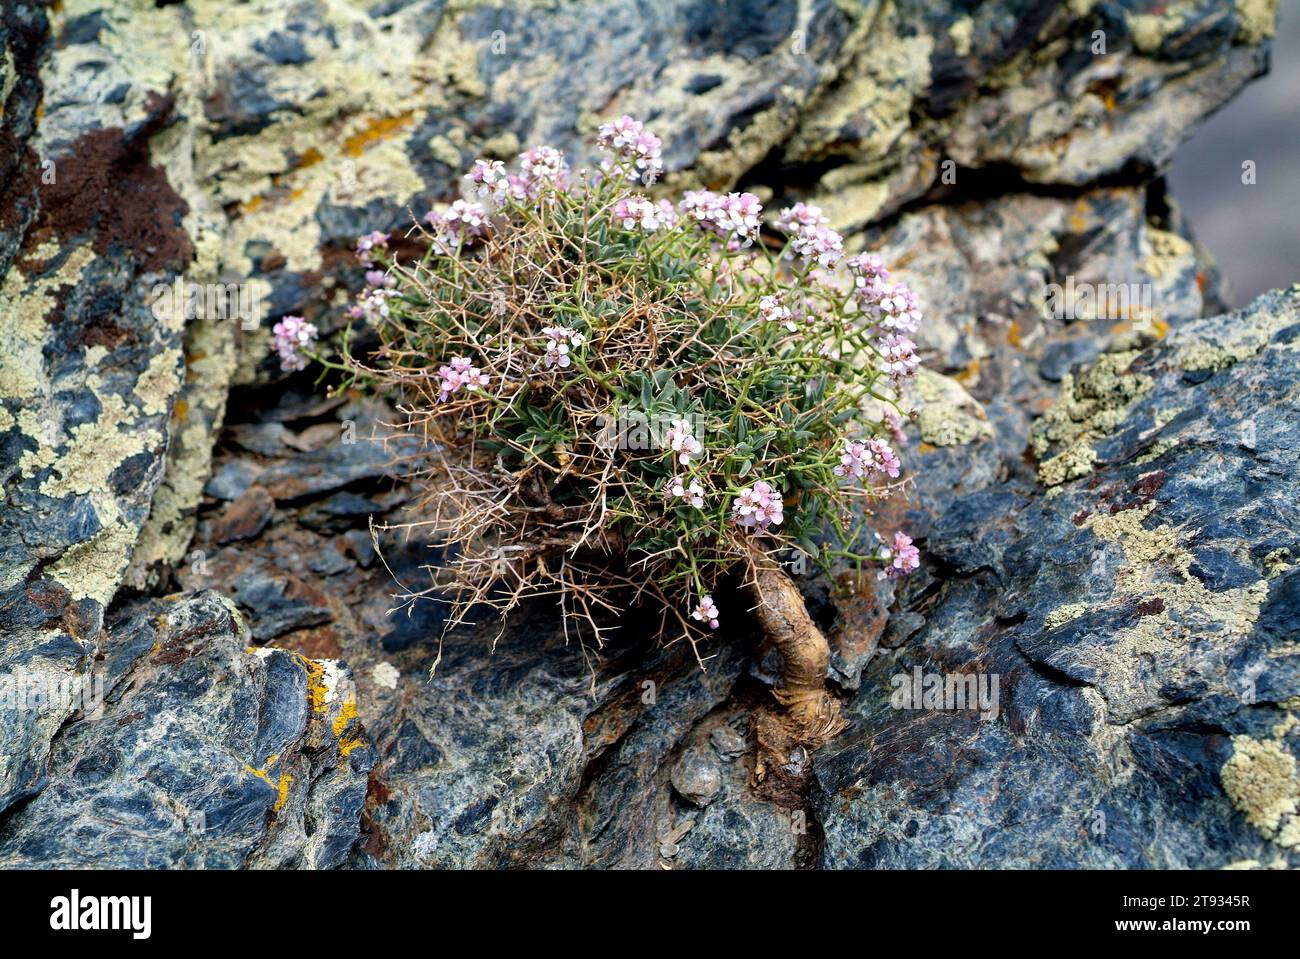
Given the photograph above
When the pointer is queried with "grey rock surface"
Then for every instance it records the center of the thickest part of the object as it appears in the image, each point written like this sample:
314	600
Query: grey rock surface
1141	623
196	750
142	449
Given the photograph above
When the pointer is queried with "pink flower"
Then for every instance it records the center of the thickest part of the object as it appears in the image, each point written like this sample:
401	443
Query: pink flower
758	507
683	442
800	218
380	280
861	460
291	335
487	178
558	341
810	235
459	374
460	224
543	169
772	310
903	557
635	145
371	306
733	218
706	612
866	268
639	213
898	356
893	305
368	244
679	488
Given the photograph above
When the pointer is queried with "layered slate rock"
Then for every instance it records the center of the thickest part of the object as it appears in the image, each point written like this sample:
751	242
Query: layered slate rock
1140	620
89	371
196	751
263	139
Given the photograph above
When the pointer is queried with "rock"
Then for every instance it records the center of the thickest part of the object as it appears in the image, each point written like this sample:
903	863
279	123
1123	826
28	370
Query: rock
245	517
729	744
203	753
750	835
264	144
697	776
1144	715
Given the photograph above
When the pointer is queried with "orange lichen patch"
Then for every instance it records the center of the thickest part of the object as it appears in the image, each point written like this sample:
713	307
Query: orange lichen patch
1078	220
180	410
317	691
250	206
381	128
1201	281
310	157
970	374
283	796
280	784
1013	334
925	447
1108	98
345	716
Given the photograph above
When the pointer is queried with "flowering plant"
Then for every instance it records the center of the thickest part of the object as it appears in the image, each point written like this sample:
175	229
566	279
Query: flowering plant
620	394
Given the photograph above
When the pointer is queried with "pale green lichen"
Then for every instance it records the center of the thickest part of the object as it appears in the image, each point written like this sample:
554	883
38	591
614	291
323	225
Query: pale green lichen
1258	20
1215	346
1158	566
946	414
92	569
960	34
1151	30
1088	407
1064	614
1260	779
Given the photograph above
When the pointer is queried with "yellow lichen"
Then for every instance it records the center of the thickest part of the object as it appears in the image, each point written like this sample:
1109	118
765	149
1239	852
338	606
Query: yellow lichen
1260	779
1258	20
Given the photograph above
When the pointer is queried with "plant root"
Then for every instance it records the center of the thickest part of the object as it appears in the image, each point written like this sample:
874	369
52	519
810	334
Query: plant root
811	711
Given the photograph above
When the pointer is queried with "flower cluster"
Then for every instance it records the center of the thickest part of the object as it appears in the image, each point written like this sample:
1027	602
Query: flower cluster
369	245
902	555
898	356
758	507
681	440
734	218
639	213
628	139
810	234
559	340
544	170
892	305
292	335
460	224
706	612
867	269
680	487
863	460
488	180
371	306
460	374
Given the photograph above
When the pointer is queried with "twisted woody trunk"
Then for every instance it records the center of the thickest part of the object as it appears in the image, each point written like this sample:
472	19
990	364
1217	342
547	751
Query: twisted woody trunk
813	712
